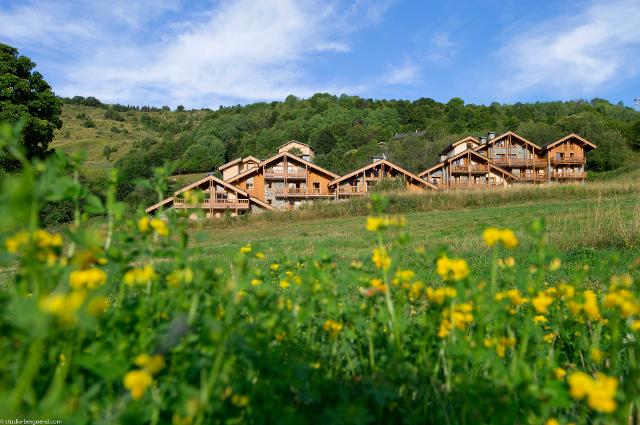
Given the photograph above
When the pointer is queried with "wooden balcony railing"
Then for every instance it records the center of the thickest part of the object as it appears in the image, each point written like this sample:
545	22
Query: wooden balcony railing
241	204
565	175
281	174
475	168
568	161
351	190
520	162
470	185
532	177
300	191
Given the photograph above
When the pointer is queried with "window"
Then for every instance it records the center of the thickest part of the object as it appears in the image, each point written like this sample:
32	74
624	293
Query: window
269	201
250	183
268	185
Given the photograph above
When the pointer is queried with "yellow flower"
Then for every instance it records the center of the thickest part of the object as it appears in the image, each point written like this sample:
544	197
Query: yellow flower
245	249
152	364
284	284
98	305
459	316
159	226
438	295
256	282
539	319
260	255
549	337
404	275
379	223
44	239
541	301
239	400
596	355
87	279
180	276
492	236
635	325
137	382
14	243
590	305
381	259
452	269
552	421
555	264
514	296
144	224
63	306
140	276
275	267
374	224
600	392
559	373
332	327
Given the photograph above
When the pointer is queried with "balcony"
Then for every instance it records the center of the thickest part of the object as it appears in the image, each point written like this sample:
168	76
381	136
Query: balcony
474	168
532	177
568	161
568	175
520	162
470	185
281	174
303	192
216	204
351	190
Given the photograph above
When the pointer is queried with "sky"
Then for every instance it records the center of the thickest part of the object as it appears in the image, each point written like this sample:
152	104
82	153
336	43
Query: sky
211	53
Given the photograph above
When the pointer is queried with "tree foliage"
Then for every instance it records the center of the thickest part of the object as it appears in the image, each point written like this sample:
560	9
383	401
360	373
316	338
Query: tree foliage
26	96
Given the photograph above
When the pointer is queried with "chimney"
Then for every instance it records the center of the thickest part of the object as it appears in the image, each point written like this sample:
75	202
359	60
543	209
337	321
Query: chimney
492	135
483	140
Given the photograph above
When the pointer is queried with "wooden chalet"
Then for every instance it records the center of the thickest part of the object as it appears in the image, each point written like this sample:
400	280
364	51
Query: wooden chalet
306	152
566	158
360	181
218	197
514	153
459	147
467	170
285	181
237	166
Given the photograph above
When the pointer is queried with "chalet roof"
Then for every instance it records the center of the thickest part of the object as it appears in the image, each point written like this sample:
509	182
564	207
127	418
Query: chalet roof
472	152
215	180
508	133
384	162
278	156
468	139
159	204
295	141
235	161
565	138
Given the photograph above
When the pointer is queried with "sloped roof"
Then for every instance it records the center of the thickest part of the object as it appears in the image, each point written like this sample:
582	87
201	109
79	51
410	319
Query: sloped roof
215	180
473	152
502	136
159	204
276	157
468	139
570	136
295	141
381	162
235	161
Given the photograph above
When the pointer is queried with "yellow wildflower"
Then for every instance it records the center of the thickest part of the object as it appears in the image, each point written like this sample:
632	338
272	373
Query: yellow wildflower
552	421
144	224
240	400
275	267
452	269
493	236
381	259
438	295
159	226
600	392
332	327
284	284
590	305
374	224
539	319
137	382
152	364
63	306
549	337
260	255
87	279
596	355
16	241
140	276
559	373
579	385
256	282
180	276
541	302
459	316
245	249
98	305
555	264
635	325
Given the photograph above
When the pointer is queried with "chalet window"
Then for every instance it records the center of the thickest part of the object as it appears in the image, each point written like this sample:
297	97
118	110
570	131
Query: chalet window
250	183
559	155
269	185
269	201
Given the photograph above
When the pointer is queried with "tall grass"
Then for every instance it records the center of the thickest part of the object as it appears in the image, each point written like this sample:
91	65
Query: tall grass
406	202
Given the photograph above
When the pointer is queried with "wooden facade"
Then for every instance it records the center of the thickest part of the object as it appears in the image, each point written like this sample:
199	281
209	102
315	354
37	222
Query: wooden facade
360	181
285	181
237	166
467	170
509	158
306	152
217	197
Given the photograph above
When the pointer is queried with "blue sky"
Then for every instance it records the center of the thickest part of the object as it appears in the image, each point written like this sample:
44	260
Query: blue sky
206	54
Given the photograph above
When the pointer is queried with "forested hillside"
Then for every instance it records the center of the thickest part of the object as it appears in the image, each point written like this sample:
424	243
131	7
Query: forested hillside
344	130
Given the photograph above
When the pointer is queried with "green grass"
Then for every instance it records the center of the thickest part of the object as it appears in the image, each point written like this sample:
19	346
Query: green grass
585	230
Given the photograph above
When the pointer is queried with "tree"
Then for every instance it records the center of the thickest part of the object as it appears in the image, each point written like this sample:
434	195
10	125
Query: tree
26	96
203	156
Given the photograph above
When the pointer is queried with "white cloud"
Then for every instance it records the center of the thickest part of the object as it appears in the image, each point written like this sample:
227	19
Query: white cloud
234	51
441	49
407	73
577	54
